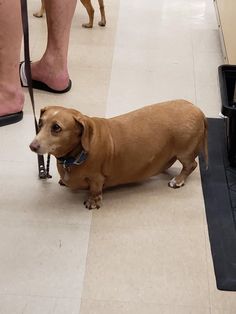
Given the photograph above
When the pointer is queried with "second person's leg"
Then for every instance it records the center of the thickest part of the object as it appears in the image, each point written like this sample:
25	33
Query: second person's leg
52	68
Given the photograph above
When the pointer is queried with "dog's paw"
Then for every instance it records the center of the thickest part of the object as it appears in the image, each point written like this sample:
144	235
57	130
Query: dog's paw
87	25
102	23
93	203
174	184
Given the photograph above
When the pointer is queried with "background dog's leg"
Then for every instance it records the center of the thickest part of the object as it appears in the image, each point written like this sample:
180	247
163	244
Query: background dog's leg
102	11
88	6
41	11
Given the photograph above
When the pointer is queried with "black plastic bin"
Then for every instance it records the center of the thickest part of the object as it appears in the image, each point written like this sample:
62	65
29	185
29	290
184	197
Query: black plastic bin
227	79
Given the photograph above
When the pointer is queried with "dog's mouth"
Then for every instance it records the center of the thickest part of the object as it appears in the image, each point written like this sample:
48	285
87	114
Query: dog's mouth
39	149
42	149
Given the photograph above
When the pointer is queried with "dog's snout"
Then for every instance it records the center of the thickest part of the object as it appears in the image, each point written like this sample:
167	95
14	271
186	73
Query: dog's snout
34	146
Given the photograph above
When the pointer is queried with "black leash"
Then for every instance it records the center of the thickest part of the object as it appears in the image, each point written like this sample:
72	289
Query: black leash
43	172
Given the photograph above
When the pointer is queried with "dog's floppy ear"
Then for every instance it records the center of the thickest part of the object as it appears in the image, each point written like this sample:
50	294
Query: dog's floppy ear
86	131
42	111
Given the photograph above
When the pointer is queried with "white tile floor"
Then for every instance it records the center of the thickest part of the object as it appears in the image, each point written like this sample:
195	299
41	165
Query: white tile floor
147	250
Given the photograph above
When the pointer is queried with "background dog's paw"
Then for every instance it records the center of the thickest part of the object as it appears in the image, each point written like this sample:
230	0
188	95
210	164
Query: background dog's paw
174	184
102	23
87	25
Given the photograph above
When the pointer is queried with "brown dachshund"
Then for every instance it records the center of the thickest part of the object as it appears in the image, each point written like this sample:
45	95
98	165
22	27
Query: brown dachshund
87	4
95	153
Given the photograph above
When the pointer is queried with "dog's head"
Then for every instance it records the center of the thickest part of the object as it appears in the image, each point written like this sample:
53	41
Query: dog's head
60	131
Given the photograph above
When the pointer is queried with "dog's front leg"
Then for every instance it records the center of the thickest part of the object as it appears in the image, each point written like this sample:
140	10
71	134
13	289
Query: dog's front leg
95	194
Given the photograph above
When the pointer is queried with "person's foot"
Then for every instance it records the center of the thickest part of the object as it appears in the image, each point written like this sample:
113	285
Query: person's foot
51	74
11	104
11	100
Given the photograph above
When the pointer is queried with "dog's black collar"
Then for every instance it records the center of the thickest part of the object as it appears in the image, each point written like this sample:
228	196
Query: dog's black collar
68	161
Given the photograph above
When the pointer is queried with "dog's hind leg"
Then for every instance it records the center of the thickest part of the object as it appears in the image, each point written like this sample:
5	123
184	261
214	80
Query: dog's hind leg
88	6
189	164
102	11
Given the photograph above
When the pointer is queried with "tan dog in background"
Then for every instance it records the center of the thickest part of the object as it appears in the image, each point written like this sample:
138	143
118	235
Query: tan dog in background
88	6
95	153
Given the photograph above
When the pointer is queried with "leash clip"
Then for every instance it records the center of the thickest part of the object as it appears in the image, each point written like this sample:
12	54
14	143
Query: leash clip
43	172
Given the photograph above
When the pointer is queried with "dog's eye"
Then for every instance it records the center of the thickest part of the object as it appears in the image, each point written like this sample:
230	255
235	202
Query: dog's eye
55	128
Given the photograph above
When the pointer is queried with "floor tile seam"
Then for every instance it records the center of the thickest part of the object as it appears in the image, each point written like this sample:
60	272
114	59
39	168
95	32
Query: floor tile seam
85	265
111	70
105	110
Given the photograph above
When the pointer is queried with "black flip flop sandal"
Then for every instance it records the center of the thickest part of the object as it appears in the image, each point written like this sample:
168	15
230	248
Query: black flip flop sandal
11	118
38	84
42	86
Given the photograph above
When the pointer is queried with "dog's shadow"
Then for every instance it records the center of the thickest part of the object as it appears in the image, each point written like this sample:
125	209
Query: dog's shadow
61	198
139	194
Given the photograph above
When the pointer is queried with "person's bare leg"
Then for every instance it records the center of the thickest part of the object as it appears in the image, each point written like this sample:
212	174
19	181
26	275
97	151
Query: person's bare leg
52	69
11	94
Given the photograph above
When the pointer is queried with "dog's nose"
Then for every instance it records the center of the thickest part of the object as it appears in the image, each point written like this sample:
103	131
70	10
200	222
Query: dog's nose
34	146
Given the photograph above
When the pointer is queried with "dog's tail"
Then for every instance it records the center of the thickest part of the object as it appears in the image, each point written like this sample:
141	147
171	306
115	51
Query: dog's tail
205	142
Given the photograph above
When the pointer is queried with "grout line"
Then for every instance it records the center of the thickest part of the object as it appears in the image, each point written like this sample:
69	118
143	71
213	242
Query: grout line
107	96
